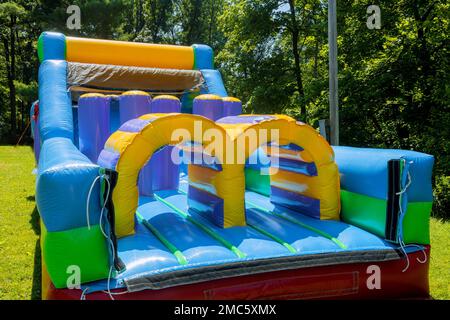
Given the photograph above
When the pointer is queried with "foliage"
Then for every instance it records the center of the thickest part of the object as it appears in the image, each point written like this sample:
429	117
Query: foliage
441	193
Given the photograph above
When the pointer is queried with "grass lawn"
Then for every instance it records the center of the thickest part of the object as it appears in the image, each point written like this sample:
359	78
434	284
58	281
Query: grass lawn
440	259
20	258
20	267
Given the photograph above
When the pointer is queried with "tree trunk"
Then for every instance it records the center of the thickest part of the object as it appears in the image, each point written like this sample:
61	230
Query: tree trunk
139	20
9	45
297	69
211	22
316	58
426	64
12	87
22	116
194	27
154	28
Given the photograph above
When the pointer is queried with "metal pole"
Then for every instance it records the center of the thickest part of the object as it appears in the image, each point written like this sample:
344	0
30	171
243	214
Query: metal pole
333	71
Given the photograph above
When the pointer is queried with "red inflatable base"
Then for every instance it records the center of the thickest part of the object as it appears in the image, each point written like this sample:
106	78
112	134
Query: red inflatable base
349	281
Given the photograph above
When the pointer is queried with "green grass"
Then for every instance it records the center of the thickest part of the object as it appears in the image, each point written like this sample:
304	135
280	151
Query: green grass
440	259
20	268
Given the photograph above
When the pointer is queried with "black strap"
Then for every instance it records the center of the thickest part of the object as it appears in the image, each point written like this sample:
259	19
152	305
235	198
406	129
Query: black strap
112	176
393	205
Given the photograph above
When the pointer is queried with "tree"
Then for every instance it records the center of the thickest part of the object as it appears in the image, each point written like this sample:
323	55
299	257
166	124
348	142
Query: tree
10	15
153	19
192	26
99	18
277	37
294	29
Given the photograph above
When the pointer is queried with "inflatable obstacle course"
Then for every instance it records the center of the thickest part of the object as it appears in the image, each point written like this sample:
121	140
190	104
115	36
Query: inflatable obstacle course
153	184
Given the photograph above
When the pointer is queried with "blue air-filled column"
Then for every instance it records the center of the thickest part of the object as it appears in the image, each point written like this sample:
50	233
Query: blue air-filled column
93	124
133	104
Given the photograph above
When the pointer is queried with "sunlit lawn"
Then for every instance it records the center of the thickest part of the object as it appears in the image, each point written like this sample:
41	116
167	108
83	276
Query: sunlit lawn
19	226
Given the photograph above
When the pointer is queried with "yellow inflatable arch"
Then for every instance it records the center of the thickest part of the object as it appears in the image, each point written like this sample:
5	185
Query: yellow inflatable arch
136	141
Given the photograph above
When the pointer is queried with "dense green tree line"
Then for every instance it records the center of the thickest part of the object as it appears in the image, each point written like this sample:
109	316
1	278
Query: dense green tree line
394	86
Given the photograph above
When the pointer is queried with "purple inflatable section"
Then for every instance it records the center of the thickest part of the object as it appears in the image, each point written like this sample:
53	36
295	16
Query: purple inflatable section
295	201
231	107
108	159
93	124
165	173
134	125
246	119
206	203
160	172
163	104
297	166
132	105
209	108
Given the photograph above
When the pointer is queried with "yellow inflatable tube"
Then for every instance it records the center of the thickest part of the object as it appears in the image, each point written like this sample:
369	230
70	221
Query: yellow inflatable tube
129	53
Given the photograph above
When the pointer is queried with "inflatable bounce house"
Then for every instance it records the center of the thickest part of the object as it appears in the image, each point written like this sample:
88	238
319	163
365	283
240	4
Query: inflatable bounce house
139	198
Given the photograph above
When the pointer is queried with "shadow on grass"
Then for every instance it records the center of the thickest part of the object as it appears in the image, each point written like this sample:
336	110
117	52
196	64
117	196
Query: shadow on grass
35	221
37	272
35	225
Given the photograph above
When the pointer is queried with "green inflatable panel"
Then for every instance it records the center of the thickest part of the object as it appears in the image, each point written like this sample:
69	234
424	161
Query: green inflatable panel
81	247
416	225
369	214
365	212
254	181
